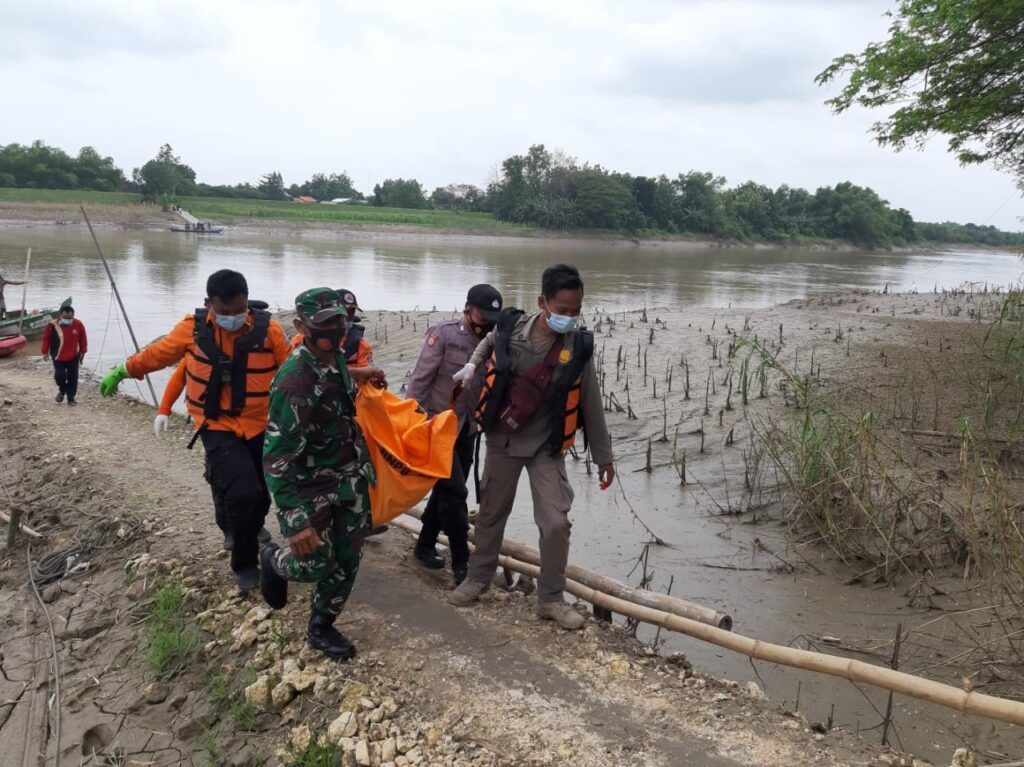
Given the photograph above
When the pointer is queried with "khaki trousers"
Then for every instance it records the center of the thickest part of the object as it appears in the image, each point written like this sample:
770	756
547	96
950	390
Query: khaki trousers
552	499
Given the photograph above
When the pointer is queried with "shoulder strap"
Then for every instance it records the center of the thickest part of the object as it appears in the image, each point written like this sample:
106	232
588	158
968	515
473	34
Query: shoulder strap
352	339
506	322
204	339
240	356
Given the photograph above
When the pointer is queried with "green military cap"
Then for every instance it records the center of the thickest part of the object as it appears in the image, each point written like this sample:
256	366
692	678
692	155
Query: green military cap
317	305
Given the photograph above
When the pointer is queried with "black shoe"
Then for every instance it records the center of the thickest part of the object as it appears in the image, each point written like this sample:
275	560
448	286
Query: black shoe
59	397
324	637
248	578
273	587
263	536
460	572
429	557
71	403
229	542
378	530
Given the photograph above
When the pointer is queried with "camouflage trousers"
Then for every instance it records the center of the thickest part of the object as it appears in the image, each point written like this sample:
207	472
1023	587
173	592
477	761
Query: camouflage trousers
334	564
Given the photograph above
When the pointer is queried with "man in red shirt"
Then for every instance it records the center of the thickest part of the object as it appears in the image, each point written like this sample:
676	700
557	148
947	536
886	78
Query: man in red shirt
65	343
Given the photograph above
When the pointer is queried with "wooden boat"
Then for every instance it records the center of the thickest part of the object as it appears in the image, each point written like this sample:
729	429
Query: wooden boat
10	344
35	322
197	230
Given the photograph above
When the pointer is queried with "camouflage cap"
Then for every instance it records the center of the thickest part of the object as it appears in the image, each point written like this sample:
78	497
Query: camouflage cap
317	305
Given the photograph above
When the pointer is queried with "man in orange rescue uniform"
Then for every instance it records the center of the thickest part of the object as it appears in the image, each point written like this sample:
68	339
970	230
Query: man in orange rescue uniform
231	354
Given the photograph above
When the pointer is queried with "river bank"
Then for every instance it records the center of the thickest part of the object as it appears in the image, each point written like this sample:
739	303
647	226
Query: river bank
676	407
432	685
138	217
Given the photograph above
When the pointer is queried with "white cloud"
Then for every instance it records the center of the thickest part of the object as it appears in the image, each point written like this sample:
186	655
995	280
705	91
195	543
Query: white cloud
444	91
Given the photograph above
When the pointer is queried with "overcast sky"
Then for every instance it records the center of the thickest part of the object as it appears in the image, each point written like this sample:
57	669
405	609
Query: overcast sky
443	91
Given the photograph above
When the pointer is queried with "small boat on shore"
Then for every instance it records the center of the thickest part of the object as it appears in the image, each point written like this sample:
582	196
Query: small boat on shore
11	344
32	326
198	229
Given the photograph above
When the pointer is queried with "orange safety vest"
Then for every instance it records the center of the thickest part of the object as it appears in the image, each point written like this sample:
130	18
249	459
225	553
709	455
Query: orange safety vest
565	394
218	384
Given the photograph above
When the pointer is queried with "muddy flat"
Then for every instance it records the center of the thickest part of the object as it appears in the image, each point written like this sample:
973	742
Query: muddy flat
432	684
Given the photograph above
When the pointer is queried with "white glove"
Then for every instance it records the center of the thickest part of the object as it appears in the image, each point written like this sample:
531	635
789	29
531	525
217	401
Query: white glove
160	424
465	373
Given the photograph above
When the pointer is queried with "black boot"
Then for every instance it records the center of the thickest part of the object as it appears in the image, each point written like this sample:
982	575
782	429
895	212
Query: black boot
460	571
273	587
324	637
428	557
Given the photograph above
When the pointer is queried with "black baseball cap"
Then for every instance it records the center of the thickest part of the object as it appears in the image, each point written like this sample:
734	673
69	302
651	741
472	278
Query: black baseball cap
486	299
348	298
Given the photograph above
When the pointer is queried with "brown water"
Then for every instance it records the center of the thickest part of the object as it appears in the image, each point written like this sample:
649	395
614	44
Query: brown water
162	276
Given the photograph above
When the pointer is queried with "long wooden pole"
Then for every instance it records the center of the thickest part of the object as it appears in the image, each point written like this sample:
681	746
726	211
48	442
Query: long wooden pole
669	604
117	295
24	291
976	703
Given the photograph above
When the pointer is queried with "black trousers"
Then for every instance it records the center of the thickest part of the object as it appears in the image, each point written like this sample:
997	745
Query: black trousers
66	376
234	469
447	510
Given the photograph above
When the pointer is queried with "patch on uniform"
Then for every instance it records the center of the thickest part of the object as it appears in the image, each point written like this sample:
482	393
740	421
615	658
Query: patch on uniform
431	340
564	356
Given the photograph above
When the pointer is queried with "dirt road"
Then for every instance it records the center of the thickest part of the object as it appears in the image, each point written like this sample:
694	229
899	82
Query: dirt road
432	684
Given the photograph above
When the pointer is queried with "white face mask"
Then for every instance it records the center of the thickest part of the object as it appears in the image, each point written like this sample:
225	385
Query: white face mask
231	322
66	320
560	323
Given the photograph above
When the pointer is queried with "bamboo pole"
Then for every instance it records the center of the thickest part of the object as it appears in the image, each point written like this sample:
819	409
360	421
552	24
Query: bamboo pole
672	605
21	525
24	291
900	682
117	295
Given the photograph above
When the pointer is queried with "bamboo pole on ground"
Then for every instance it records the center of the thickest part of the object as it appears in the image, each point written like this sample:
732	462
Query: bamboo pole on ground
669	604
24	291
900	682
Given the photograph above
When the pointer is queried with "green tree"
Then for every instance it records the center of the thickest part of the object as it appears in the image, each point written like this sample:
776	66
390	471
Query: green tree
329	187
950	67
165	176
272	186
400	193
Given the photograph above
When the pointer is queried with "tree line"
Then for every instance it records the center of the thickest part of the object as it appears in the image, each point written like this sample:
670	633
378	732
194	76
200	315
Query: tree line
548	190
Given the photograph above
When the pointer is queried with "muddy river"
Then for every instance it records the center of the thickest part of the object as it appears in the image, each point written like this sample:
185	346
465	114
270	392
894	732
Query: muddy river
712	559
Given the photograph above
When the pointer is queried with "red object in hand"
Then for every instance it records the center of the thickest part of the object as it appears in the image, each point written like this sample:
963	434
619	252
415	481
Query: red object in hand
606	484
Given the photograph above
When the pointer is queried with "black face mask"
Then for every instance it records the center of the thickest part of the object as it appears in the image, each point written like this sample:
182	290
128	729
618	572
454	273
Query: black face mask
480	330
326	340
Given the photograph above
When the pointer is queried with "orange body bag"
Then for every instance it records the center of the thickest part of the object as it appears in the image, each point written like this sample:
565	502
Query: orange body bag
410	452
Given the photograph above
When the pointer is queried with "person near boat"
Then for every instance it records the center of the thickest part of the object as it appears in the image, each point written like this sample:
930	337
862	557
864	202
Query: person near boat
65	343
4	283
539	388
446	349
231	353
319	470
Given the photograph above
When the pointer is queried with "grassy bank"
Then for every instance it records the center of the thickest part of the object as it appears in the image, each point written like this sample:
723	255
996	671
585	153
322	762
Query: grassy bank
225	209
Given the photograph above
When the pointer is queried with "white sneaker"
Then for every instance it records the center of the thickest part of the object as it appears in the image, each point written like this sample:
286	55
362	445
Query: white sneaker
562	614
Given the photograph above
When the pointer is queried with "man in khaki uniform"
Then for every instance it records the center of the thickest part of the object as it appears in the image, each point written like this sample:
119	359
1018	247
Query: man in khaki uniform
540	387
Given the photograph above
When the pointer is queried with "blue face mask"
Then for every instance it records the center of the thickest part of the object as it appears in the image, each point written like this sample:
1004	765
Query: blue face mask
230	322
559	323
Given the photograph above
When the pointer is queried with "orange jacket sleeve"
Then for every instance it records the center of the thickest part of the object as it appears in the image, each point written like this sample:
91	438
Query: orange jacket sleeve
173	390
163	352
278	342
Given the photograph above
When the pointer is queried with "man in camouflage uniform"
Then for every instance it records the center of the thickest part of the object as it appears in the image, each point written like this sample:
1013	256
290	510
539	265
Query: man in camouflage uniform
318	470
